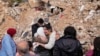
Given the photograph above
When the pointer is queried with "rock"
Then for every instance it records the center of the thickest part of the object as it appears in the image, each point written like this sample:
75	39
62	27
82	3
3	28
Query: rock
74	13
14	12
35	3
91	14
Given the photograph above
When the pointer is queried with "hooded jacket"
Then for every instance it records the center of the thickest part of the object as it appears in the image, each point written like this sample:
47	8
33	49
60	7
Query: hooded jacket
67	46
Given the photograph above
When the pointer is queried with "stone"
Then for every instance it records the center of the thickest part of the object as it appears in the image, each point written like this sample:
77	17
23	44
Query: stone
91	14
75	12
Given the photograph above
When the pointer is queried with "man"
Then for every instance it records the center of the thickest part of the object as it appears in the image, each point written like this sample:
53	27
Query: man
51	36
22	48
36	26
68	45
8	44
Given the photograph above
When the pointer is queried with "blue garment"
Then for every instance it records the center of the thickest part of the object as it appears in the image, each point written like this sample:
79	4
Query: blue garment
8	46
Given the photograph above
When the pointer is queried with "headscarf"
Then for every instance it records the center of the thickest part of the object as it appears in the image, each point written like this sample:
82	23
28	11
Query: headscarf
11	32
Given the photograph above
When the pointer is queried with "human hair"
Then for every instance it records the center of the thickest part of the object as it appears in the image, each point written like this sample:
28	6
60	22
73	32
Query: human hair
23	47
30	45
48	26
96	43
41	21
70	30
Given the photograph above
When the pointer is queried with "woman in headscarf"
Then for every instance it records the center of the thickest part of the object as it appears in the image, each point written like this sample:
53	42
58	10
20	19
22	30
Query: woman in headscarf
8	45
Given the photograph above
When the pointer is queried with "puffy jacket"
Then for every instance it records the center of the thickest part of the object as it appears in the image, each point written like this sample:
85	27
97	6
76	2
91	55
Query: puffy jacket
67	46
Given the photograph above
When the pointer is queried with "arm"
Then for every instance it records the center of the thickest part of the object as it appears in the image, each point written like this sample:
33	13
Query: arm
51	42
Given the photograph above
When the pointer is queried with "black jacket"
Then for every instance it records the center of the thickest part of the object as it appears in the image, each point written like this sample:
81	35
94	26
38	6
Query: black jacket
34	28
67	46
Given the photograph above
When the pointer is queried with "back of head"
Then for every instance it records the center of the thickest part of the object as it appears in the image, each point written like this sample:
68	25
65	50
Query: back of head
70	30
41	21
97	46
30	45
23	47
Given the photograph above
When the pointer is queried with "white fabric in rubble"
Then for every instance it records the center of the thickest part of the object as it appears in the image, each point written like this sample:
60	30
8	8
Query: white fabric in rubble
82	8
91	14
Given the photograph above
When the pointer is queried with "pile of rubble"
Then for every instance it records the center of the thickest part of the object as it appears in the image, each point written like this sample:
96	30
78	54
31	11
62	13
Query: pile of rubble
84	15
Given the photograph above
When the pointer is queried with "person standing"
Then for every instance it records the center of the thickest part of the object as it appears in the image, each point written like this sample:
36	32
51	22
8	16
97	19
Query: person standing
95	51
68	45
8	45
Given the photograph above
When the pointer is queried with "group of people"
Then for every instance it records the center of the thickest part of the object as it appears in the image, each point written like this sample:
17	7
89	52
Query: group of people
46	42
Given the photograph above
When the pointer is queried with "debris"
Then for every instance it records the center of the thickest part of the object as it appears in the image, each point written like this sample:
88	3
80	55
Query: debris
91	14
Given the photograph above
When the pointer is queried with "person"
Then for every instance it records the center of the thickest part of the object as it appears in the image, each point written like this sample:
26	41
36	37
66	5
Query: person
31	51
36	26
8	45
0	42
22	48
68	45
51	36
96	50
90	51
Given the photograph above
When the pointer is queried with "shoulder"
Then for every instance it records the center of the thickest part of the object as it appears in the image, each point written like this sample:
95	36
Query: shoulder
59	40
40	29
53	34
35	25
6	36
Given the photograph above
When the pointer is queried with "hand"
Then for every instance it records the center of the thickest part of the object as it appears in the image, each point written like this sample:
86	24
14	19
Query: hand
35	44
40	44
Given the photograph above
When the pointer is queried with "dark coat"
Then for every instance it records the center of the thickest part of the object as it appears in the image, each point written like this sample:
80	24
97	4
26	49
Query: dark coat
67	46
34	29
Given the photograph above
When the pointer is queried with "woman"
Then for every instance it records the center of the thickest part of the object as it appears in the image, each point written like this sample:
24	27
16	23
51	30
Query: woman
96	50
8	44
46	48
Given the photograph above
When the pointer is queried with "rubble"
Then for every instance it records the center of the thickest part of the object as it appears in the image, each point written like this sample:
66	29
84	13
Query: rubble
84	15
14	12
